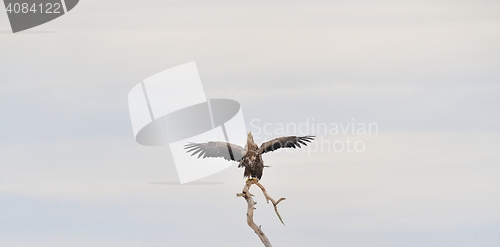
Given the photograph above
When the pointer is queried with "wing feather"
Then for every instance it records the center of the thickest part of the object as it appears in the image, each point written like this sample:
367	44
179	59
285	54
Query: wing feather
224	150
285	142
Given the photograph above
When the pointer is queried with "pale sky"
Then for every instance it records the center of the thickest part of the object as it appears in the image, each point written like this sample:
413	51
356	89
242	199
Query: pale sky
426	72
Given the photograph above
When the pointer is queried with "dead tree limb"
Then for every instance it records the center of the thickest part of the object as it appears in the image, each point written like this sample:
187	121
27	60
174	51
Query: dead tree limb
251	203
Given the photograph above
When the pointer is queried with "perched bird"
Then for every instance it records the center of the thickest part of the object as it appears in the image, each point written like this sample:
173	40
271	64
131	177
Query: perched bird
250	156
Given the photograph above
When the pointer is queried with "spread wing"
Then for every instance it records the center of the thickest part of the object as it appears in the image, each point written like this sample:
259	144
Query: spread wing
285	142
224	150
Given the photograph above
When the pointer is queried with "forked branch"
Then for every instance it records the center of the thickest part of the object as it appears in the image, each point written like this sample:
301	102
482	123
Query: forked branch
251	203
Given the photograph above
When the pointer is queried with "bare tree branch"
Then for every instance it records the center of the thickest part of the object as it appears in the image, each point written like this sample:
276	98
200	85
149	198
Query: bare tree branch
251	203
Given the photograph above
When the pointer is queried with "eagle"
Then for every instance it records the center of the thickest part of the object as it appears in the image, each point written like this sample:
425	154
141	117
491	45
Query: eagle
250	157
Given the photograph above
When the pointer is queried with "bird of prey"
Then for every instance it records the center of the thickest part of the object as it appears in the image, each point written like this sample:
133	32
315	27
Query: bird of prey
250	156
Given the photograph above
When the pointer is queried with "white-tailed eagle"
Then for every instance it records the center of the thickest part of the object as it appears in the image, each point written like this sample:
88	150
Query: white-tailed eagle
250	156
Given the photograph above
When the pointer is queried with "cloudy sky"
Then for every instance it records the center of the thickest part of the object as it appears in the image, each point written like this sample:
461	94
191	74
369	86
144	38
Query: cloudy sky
425	72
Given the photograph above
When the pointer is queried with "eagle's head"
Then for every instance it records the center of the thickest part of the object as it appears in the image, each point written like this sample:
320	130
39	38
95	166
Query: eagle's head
250	137
250	143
